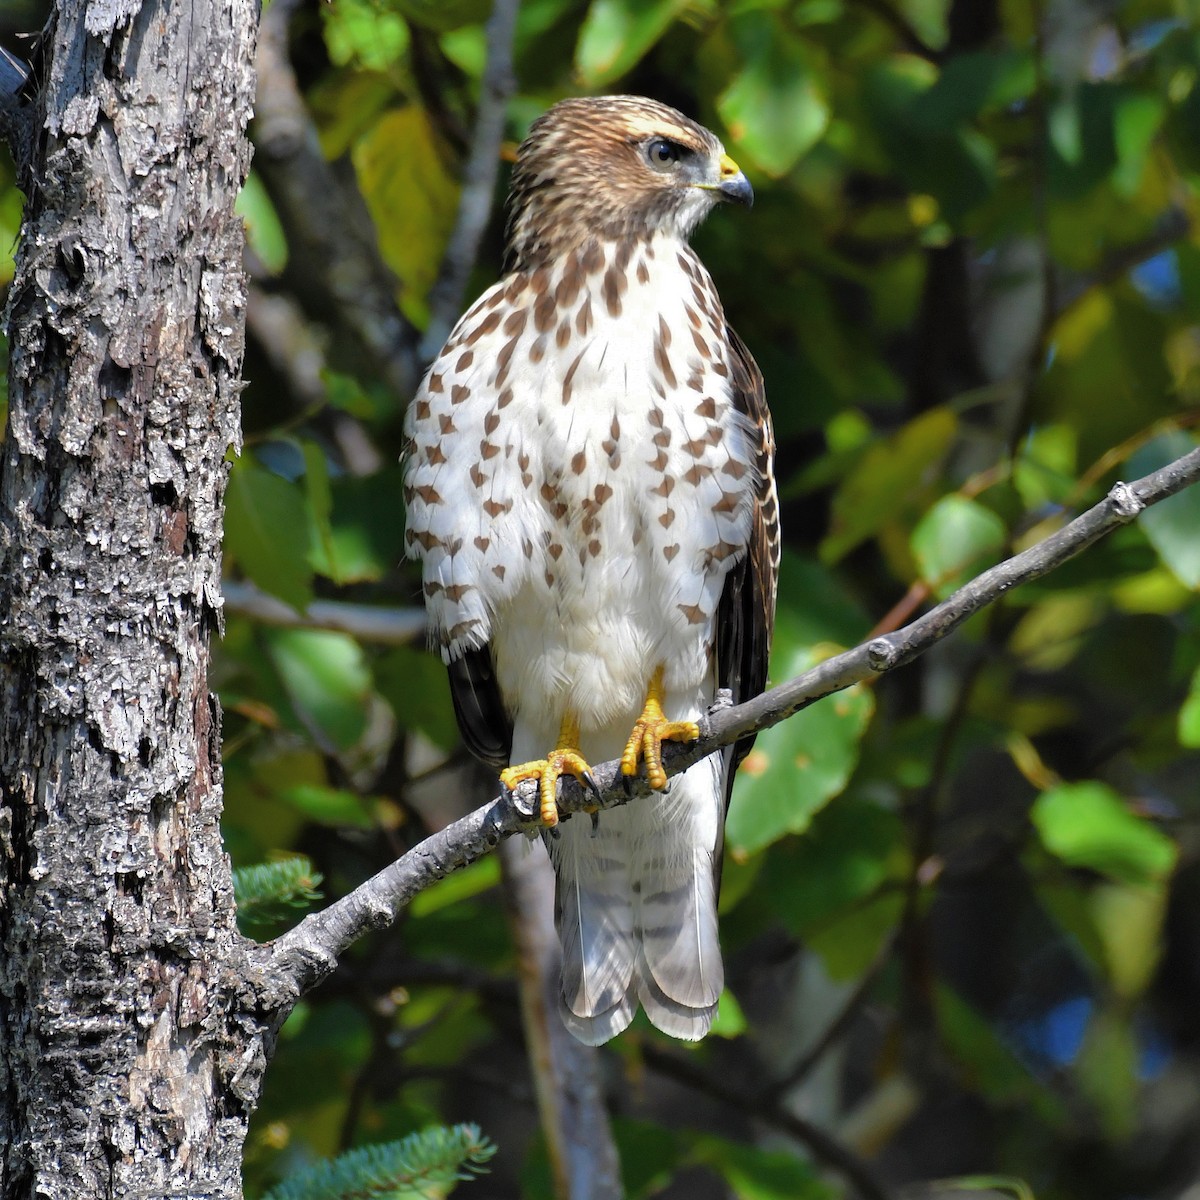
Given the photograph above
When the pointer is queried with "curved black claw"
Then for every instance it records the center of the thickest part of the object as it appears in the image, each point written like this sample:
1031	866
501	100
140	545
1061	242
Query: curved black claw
589	781
595	815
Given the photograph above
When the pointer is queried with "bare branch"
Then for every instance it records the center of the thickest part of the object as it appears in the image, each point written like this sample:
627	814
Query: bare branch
307	953
368	623
824	1146
329	231
479	179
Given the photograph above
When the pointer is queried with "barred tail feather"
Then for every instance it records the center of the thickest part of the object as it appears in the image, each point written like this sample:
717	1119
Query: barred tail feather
594	915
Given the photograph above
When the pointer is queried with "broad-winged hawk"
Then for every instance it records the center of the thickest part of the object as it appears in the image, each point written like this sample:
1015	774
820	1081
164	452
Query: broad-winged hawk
589	486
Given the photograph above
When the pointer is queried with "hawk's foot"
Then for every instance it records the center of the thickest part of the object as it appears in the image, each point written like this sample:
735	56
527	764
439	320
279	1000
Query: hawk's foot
564	760
650	731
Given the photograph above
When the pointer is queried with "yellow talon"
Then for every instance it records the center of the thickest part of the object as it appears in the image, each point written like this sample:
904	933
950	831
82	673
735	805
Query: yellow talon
565	759
650	731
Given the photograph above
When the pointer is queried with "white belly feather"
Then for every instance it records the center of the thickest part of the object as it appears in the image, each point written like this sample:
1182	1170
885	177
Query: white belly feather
579	485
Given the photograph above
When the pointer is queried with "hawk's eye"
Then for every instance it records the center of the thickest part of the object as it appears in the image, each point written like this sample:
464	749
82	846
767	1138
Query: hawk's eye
663	154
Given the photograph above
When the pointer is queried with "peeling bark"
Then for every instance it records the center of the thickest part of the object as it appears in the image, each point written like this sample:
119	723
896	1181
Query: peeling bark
125	1065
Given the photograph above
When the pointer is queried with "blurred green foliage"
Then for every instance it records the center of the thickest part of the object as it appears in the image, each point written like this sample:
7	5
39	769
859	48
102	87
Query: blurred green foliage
972	281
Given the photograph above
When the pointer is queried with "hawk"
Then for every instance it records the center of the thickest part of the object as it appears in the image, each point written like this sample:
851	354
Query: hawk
589	488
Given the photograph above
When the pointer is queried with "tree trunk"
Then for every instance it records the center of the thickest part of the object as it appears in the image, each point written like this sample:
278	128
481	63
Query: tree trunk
123	1070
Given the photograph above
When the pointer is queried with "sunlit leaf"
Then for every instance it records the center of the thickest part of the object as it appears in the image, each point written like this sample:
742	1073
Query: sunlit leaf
364	32
267	532
1129	921
457	886
1189	715
406	182
730	1021
756	1174
1088	825
1172	525
798	765
264	233
774	108
328	806
888	479
955	538
327	681
617	33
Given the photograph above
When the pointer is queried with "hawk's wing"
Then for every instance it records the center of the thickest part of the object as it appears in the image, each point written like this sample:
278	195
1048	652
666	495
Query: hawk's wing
746	615
483	720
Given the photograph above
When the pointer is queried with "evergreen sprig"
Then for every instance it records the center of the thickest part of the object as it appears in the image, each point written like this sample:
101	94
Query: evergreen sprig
266	891
422	1166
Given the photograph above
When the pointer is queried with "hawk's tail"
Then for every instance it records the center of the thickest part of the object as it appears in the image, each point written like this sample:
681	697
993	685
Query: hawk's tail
636	906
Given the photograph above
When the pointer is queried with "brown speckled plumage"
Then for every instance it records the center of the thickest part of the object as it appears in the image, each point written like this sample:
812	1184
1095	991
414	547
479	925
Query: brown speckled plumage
590	491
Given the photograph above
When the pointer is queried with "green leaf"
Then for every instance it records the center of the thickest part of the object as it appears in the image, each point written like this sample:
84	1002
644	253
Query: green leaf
955	539
327	805
457	887
443	15
850	943
754	1173
1137	118
415	684
267	523
929	18
1129	921
361	546
994	1185
648	1155
995	1069
851	851
974	83
616	34
1189	716
323	555
730	1020
797	766
1172	525
264	233
359	31
327	682
1107	1072
889	478
1088	825
774	108
402	169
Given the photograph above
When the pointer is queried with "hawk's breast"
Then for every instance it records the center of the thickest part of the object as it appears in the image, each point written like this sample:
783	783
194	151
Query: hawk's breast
578	482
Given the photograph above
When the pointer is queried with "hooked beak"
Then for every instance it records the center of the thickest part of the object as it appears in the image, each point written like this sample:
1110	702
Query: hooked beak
734	185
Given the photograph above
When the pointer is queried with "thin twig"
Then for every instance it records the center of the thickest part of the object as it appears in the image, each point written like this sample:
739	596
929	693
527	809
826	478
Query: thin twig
479	178
386	626
333	252
824	1146
834	1031
309	952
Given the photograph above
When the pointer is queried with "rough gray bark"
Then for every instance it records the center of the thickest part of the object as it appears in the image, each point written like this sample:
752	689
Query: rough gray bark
126	1067
566	1073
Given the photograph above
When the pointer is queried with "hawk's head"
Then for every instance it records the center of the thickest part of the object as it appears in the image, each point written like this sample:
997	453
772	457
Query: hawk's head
614	166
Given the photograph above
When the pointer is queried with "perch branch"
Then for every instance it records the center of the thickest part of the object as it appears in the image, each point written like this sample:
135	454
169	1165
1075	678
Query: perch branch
309	952
479	179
